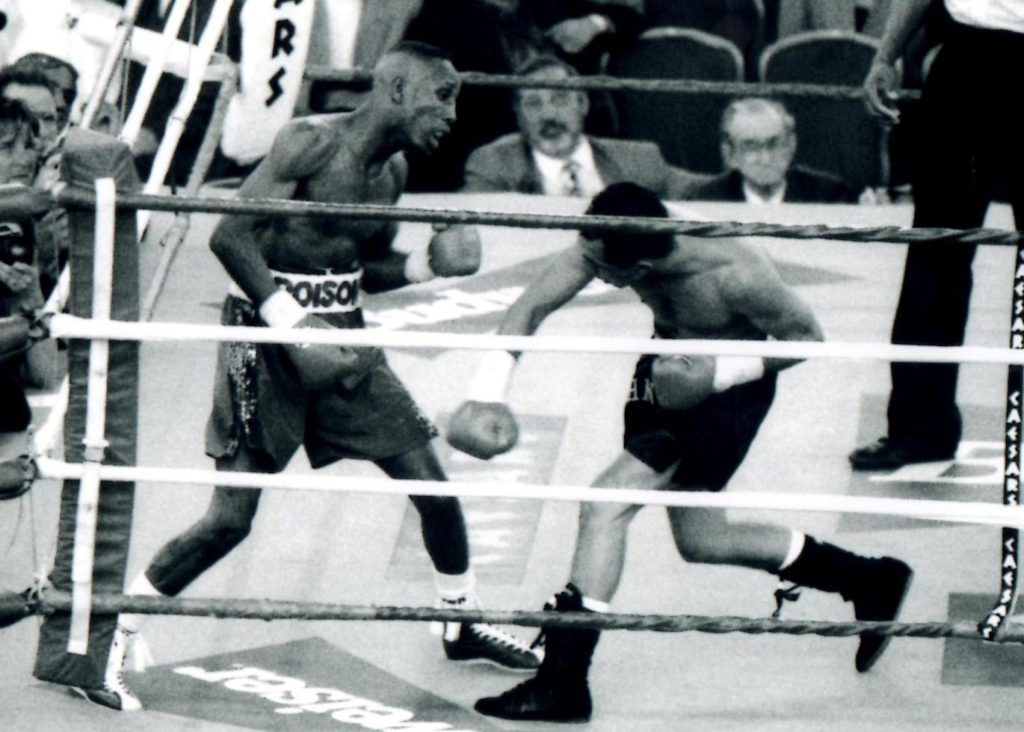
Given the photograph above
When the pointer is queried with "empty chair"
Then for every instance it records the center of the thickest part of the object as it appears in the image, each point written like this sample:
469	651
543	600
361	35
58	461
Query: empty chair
740	21
836	135
685	126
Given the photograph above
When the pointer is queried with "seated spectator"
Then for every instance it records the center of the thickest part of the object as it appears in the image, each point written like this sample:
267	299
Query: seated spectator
19	281
36	93
63	78
582	32
552	155
26	82
758	144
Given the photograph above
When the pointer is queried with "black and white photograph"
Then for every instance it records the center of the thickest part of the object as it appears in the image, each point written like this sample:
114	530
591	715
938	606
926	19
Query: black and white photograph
511	365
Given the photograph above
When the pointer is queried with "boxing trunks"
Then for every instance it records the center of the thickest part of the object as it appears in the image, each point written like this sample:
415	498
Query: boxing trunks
260	403
709	440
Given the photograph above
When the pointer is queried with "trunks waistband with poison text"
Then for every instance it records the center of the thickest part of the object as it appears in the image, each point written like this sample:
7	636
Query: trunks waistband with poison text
318	293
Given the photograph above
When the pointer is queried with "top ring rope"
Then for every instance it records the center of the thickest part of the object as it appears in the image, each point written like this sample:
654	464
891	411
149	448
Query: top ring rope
609	83
75	197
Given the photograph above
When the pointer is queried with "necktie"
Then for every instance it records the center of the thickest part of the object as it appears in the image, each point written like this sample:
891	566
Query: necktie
571	179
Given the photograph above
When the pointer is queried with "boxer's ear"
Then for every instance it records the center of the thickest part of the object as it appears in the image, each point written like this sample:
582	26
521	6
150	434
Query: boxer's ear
397	89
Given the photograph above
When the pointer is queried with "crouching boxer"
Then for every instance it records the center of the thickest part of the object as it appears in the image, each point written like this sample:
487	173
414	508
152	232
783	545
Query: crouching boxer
689	422
337	402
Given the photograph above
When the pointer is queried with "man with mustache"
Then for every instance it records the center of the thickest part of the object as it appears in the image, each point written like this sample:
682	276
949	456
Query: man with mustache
336	402
552	155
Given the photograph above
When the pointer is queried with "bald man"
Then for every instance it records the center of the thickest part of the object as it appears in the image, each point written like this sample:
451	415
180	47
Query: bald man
758	146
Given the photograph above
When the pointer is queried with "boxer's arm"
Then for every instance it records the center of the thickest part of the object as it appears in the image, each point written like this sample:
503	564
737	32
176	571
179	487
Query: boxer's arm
299	149
568	273
760	294
483	426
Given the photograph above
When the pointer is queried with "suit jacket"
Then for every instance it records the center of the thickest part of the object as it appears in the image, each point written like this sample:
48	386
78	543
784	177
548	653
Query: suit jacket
803	185
507	165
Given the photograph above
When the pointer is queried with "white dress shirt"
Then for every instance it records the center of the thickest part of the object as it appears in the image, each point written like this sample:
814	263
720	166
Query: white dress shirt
753	196
555	180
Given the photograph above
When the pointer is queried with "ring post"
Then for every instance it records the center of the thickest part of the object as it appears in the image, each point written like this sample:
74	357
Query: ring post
95	419
89	156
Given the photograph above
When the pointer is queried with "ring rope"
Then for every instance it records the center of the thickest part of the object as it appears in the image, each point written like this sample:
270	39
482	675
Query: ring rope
50	602
959	512
70	326
600	82
79	197
994	623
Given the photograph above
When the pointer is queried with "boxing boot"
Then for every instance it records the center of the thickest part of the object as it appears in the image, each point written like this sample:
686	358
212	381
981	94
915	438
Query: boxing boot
559	691
875	586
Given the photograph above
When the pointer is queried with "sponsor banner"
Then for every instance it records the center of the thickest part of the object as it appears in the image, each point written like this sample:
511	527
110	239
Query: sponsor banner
275	40
501	530
976	473
302	685
966	662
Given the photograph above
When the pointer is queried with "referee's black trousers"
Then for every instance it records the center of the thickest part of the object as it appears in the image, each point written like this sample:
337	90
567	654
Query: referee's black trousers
972	135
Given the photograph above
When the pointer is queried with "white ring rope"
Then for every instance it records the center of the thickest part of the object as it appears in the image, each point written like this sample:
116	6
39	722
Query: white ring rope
69	326
960	512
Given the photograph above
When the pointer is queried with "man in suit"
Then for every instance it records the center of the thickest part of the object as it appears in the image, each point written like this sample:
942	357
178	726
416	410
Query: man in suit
551	154
758	145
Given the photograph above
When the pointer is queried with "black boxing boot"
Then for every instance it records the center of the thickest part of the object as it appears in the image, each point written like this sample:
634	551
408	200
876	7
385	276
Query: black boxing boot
559	691
875	586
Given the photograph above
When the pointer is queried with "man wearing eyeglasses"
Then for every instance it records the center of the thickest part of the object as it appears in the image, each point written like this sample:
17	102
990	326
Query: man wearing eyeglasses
758	145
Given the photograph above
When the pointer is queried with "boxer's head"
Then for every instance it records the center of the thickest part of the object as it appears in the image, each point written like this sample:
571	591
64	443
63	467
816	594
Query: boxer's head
622	258
416	85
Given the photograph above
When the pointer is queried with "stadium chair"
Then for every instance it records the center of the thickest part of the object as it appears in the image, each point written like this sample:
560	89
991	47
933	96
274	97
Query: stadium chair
740	21
835	135
684	125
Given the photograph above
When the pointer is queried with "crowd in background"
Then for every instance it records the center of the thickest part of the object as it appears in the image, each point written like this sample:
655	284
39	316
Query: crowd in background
502	37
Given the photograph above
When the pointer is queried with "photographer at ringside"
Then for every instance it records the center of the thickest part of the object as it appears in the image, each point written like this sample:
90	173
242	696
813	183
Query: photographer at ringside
20	291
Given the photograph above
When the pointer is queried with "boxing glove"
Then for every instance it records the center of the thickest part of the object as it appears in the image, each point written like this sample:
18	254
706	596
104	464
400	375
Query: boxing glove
452	252
483	429
681	382
319	365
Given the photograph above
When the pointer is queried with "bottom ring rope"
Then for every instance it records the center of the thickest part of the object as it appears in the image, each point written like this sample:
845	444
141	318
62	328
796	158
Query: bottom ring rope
50	602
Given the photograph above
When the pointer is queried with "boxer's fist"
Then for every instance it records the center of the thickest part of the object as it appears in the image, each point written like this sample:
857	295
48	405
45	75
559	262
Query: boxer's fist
454	250
321	366
483	429
681	382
